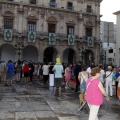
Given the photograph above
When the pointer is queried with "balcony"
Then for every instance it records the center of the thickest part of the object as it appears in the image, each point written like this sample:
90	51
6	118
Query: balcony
14	31
46	34
52	4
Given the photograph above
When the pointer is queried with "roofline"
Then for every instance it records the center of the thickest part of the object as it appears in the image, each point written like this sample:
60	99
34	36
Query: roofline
116	13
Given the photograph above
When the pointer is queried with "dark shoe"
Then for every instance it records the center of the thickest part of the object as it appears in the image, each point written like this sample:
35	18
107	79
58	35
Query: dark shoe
6	85
75	91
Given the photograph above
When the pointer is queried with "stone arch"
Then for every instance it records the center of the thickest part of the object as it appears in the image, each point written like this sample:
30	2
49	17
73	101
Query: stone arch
89	23
89	57
50	54
69	55
9	14
30	52
7	52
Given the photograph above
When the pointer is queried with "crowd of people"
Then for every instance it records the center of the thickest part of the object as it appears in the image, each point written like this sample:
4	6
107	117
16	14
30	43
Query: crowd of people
90	81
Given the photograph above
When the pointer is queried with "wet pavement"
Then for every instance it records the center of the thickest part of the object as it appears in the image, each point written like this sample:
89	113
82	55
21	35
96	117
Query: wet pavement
37	102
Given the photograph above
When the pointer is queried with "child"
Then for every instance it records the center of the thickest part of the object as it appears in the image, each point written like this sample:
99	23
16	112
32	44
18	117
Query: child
58	60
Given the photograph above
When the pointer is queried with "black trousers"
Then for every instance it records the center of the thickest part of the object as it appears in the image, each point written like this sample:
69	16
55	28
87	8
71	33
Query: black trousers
31	75
45	78
77	84
116	84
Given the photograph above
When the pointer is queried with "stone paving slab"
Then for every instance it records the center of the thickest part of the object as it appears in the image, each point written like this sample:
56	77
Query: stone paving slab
37	102
69	118
45	114
25	116
7	116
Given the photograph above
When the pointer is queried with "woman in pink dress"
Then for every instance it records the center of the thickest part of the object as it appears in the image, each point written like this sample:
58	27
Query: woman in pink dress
67	75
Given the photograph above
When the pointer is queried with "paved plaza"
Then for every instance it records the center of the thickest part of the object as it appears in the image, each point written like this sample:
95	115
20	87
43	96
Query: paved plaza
34	101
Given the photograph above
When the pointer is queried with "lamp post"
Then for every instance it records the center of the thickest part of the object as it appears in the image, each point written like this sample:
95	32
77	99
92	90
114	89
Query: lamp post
19	46
82	51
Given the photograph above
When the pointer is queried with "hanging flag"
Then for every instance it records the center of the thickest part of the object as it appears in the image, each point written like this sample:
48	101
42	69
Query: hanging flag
52	39
70	39
31	36
90	41
8	34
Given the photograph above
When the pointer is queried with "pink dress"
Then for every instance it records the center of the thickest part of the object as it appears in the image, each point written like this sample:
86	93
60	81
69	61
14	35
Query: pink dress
67	74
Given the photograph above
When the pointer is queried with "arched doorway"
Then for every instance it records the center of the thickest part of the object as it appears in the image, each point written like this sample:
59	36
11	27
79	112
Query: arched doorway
7	52
89	57
30	53
50	54
69	56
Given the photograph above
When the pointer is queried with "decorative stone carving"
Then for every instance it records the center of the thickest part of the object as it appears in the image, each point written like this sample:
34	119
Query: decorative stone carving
20	9
52	19
61	15
79	17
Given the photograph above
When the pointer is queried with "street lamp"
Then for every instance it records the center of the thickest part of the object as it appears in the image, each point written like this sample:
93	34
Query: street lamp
82	51
19	46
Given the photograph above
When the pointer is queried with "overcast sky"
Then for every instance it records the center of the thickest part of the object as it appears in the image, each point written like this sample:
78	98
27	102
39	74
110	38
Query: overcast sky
108	7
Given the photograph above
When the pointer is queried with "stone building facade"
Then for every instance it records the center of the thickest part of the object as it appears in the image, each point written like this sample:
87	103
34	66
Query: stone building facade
40	29
108	39
117	55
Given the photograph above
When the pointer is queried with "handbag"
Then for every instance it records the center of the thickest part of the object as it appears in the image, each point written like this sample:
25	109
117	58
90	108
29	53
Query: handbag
113	82
105	79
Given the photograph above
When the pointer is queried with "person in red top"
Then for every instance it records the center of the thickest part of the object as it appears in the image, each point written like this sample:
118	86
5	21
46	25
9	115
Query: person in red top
26	72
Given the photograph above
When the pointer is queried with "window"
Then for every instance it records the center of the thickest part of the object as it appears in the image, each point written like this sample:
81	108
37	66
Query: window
89	9
111	51
32	1
88	32
70	30
52	3
70	6
51	28
8	23
31	26
10	0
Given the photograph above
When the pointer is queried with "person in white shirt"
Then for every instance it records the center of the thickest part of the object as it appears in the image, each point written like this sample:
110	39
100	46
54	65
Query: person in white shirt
109	80
102	74
88	70
45	69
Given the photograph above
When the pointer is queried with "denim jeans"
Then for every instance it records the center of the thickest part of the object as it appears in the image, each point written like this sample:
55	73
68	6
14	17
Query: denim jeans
93	112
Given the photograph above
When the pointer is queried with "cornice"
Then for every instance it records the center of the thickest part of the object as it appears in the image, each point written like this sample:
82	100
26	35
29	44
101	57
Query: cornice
46	7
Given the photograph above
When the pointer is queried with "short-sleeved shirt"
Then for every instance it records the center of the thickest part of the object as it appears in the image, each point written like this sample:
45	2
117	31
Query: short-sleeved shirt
50	70
58	71
102	72
45	69
10	67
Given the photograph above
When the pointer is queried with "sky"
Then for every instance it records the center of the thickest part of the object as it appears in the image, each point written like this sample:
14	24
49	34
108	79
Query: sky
108	7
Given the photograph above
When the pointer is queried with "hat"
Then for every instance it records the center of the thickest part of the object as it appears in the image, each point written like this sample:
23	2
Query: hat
109	67
58	61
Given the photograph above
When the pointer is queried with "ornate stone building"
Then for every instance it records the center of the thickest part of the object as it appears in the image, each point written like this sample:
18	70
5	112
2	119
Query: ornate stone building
40	29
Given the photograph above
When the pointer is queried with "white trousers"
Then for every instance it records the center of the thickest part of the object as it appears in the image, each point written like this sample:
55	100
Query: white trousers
109	85
51	79
93	112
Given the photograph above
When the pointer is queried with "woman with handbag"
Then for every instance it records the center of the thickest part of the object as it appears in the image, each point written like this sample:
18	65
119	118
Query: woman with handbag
94	93
83	77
